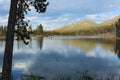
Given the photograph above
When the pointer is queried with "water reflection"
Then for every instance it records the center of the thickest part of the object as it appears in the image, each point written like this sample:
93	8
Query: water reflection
40	42
117	48
67	57
52	57
88	44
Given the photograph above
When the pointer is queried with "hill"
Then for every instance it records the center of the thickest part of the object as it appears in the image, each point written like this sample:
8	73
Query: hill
82	25
111	21
89	27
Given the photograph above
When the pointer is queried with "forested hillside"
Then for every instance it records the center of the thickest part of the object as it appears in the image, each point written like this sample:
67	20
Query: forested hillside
88	27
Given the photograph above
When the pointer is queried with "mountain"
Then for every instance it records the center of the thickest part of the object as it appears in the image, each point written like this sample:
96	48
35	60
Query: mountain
88	27
82	25
86	23
111	21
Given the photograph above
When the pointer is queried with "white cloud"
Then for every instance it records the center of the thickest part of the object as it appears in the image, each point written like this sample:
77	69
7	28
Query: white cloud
1	1
49	22
67	18
3	20
89	6
101	17
52	23
63	12
21	65
31	18
91	16
4	5
91	54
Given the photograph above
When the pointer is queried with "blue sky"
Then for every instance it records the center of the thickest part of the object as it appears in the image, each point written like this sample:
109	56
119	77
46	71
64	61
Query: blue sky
63	12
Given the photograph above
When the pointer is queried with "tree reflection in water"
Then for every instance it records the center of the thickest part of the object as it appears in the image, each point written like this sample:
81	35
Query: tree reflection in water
117	47
83	76
40	42
78	44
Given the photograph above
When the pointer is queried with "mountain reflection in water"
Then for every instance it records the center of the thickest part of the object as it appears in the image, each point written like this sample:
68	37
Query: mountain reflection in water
51	57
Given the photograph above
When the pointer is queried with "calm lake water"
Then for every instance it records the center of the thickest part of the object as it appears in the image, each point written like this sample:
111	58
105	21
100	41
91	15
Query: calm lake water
54	57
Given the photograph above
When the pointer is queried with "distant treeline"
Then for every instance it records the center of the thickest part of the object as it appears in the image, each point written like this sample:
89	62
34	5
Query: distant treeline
106	30
39	31
3	30
102	29
94	31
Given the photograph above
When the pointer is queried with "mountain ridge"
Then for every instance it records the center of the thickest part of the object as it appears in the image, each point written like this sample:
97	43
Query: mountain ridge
111	21
87	23
89	27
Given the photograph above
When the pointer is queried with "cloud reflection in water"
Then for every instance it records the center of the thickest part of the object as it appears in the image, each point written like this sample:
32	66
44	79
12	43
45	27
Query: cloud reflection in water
63	57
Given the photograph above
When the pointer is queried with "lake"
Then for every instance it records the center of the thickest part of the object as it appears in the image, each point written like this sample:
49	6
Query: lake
55	57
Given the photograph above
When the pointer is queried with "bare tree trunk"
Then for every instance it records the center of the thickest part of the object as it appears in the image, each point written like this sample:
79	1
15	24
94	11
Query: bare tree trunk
7	63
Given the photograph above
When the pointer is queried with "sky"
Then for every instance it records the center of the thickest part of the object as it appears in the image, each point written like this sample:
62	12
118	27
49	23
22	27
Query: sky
63	12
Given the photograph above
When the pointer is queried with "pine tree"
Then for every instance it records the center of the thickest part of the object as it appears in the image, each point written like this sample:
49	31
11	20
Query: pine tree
40	29
117	25
17	23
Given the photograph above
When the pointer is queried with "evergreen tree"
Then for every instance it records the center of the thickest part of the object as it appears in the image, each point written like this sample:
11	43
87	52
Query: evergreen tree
118	28
17	23
40	29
